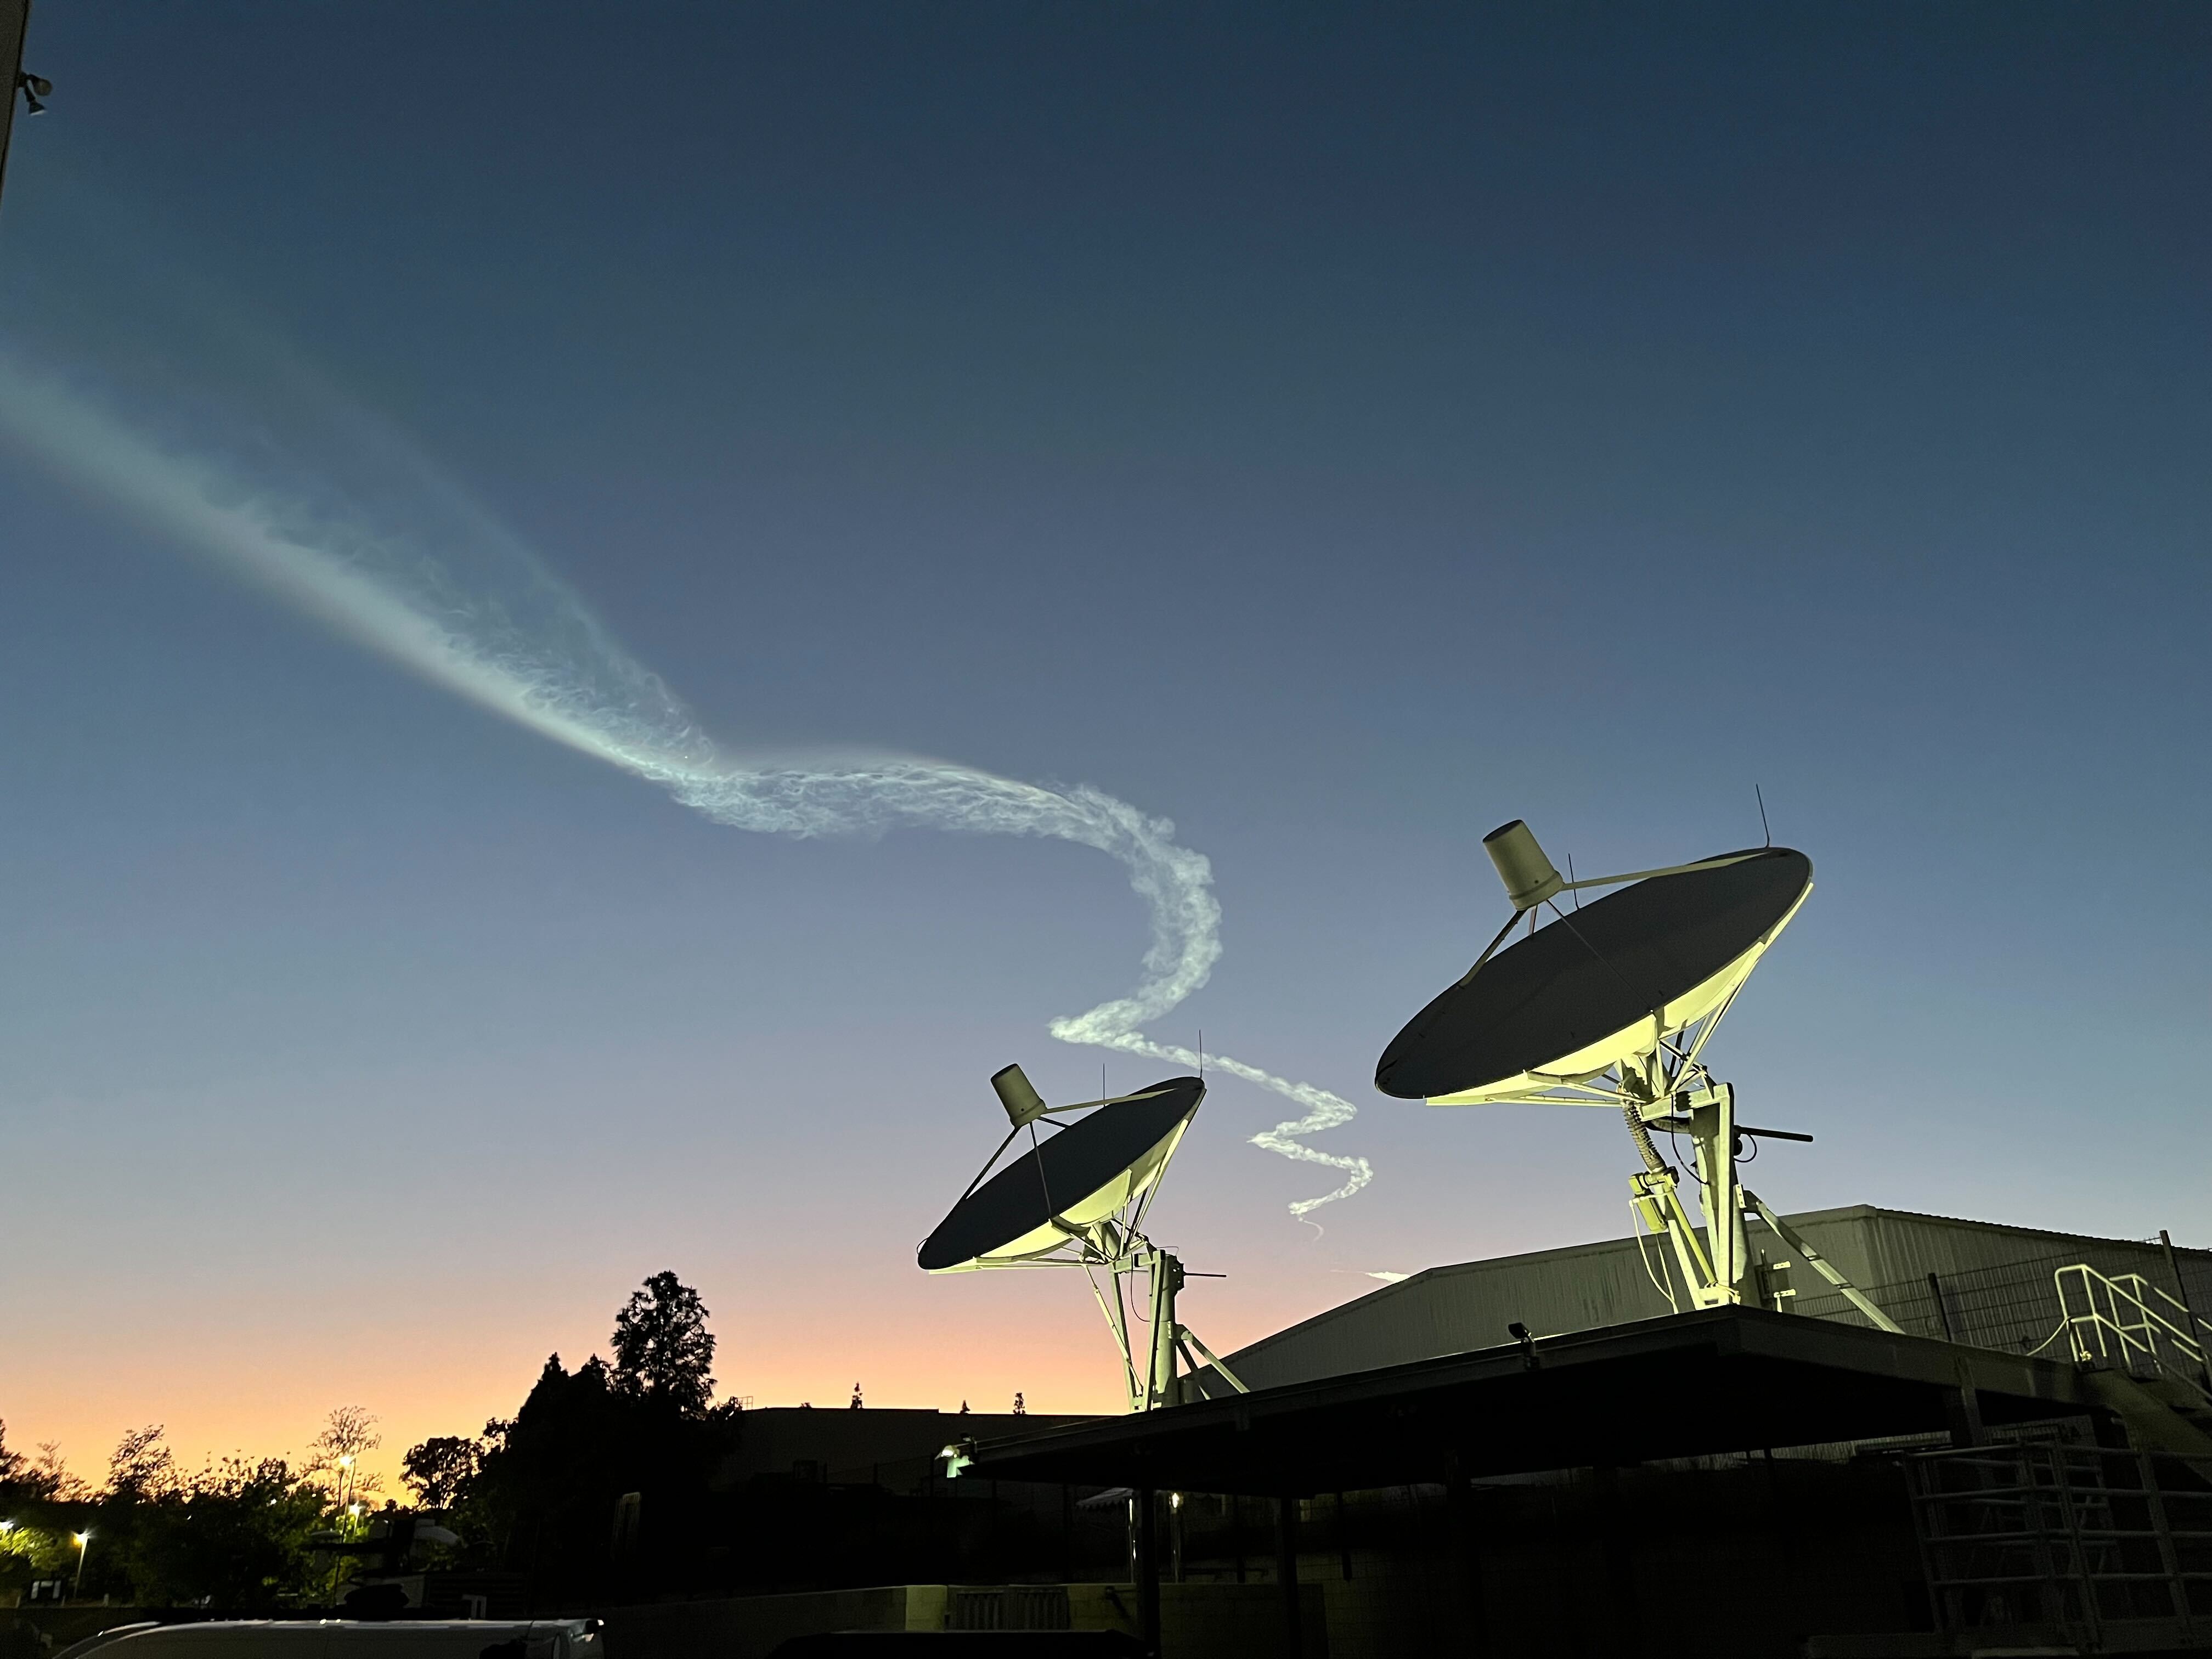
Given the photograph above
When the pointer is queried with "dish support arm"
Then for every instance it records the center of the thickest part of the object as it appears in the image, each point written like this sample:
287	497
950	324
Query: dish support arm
1820	1264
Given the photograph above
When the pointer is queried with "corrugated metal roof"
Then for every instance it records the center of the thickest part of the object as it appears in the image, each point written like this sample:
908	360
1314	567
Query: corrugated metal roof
1993	1280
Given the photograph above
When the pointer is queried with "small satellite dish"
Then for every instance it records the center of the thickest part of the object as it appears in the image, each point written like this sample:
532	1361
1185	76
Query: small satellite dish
1078	1198
1085	1174
1610	1005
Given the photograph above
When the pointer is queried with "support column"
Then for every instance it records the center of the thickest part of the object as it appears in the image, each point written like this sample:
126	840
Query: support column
1612	1522
1943	1313
1160	1374
2181	1293
1148	1570
1712	1129
1466	1545
1962	1404
1286	1575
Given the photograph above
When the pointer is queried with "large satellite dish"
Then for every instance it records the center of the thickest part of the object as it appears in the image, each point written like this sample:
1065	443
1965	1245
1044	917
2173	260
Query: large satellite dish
1078	1198
1610	1005
1608	982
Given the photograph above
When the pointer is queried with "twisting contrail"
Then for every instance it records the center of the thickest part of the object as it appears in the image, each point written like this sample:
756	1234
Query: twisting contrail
382	572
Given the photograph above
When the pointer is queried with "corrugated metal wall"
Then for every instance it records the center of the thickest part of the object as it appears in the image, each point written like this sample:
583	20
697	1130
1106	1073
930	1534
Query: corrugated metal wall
1995	1283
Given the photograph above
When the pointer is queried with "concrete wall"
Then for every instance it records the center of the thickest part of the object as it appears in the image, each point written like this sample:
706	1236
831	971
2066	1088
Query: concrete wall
1197	1620
1994	1281
751	1627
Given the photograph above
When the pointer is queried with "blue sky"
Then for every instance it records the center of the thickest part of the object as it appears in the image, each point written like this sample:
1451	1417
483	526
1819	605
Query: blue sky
1337	430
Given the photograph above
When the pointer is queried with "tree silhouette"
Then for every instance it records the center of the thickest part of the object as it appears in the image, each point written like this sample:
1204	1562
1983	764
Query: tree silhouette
550	1482
335	1453
438	1468
663	1350
142	1466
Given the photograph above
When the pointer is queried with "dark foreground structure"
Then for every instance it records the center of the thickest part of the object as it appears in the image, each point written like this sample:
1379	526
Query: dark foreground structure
2027	1465
1728	1481
1718	1381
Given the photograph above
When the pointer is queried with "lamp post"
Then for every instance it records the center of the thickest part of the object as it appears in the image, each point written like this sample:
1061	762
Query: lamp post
83	1549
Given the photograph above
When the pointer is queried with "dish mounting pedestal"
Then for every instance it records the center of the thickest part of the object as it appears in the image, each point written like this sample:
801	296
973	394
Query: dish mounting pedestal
1718	1268
1167	1344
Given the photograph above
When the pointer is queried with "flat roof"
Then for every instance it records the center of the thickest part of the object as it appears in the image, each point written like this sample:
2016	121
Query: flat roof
1716	1380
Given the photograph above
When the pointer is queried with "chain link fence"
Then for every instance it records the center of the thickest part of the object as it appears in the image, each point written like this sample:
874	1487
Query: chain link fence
2013	1307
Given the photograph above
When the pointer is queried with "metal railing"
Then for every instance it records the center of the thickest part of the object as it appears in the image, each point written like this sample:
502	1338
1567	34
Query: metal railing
2007	1306
2057	1532
2112	1319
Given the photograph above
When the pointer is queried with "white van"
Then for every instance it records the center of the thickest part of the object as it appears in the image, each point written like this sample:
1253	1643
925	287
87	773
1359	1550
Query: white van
354	1638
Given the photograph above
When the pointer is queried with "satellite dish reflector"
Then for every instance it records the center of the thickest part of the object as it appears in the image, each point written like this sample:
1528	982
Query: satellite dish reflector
1612	1006
1529	876
1066	1186
1601	985
1023	1102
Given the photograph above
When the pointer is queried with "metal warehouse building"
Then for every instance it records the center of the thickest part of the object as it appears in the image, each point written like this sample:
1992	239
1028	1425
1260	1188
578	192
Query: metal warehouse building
1975	1282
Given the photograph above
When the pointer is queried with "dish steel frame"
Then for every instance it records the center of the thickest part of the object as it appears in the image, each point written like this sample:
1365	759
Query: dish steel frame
1159	1353
1664	1085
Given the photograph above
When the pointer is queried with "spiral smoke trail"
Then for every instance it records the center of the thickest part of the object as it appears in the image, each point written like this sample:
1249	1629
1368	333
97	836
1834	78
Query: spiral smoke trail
358	558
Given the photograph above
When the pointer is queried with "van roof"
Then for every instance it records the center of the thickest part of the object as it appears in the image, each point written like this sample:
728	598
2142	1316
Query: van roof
348	1626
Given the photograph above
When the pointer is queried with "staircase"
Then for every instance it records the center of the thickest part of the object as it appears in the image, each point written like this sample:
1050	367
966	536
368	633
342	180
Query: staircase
2181	1399
2144	1355
2160	1415
2047	1539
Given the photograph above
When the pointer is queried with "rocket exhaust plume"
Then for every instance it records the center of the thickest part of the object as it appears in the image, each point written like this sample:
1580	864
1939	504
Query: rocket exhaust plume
399	562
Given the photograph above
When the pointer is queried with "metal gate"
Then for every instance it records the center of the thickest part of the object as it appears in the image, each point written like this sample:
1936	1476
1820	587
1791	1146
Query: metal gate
2051	1532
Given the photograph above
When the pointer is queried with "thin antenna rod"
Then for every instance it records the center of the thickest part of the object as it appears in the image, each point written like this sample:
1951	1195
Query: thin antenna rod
1762	815
1572	888
1202	1054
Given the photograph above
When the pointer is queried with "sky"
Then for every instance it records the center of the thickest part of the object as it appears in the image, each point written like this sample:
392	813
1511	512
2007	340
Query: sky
1337	430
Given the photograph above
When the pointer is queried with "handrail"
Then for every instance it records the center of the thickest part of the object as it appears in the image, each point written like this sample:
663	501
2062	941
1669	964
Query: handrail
2118	1322
2194	1326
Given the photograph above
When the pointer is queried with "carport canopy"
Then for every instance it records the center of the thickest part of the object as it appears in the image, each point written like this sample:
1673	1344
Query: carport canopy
1713	1381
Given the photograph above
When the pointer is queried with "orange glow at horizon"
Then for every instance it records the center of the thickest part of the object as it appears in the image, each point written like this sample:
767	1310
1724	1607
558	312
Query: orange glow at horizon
214	1401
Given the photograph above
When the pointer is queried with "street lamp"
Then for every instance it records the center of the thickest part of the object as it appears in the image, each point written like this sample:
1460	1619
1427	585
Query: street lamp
83	1549
345	1476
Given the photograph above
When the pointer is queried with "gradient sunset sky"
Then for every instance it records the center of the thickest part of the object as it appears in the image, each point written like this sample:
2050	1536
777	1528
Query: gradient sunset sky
1339	429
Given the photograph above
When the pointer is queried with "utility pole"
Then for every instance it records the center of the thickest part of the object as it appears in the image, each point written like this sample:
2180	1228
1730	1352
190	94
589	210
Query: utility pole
15	21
